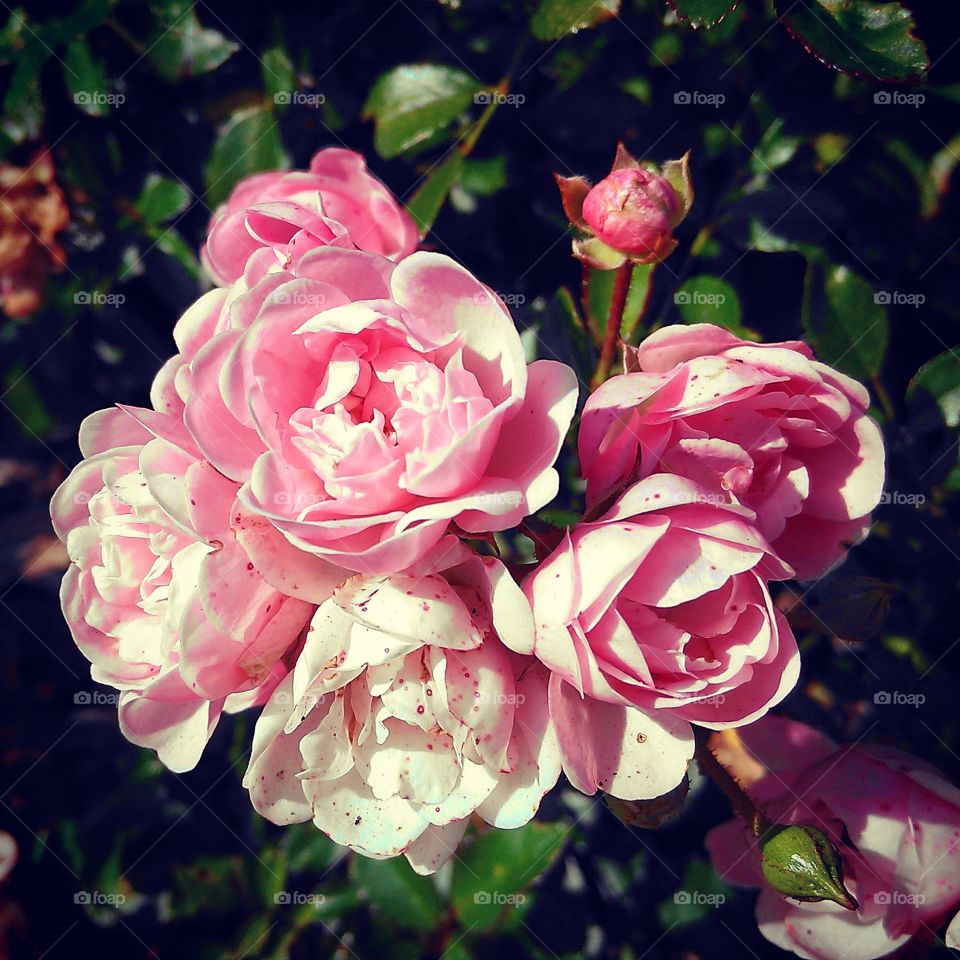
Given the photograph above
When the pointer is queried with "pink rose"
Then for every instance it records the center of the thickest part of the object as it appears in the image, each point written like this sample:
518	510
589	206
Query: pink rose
631	214
405	715
337	202
160	596
764	425
367	406
894	819
662	604
633	210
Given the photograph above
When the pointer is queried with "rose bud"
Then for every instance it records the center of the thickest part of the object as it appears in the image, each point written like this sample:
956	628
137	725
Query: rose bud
630	214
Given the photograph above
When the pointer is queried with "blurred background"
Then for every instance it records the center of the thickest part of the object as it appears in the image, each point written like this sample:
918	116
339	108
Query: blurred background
826	207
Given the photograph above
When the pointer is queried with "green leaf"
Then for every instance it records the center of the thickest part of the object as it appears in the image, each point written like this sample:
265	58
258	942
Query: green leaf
702	13
860	37
701	892
426	203
309	850
566	313
84	17
846	325
559	517
170	242
209	885
279	77
180	46
23	399
162	199
491	873
22	103
483	178
940	378
775	149
554	19
413	103
400	894
86	78
14	36
708	299
270	870
248	143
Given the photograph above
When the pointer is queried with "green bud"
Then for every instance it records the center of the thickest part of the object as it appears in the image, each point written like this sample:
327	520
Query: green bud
801	862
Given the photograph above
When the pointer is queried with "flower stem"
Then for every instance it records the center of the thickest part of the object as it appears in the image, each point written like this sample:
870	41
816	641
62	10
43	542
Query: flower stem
621	287
885	403
742	805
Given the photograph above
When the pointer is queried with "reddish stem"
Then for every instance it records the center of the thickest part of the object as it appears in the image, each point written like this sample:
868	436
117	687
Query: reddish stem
618	301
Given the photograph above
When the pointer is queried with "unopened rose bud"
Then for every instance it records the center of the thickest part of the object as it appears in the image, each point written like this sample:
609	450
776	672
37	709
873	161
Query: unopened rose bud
801	862
633	211
630	214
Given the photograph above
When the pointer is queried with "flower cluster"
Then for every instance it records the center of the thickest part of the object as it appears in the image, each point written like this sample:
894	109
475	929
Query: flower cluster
306	519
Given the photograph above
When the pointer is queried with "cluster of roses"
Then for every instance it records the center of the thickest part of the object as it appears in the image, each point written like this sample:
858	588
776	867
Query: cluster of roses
297	524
